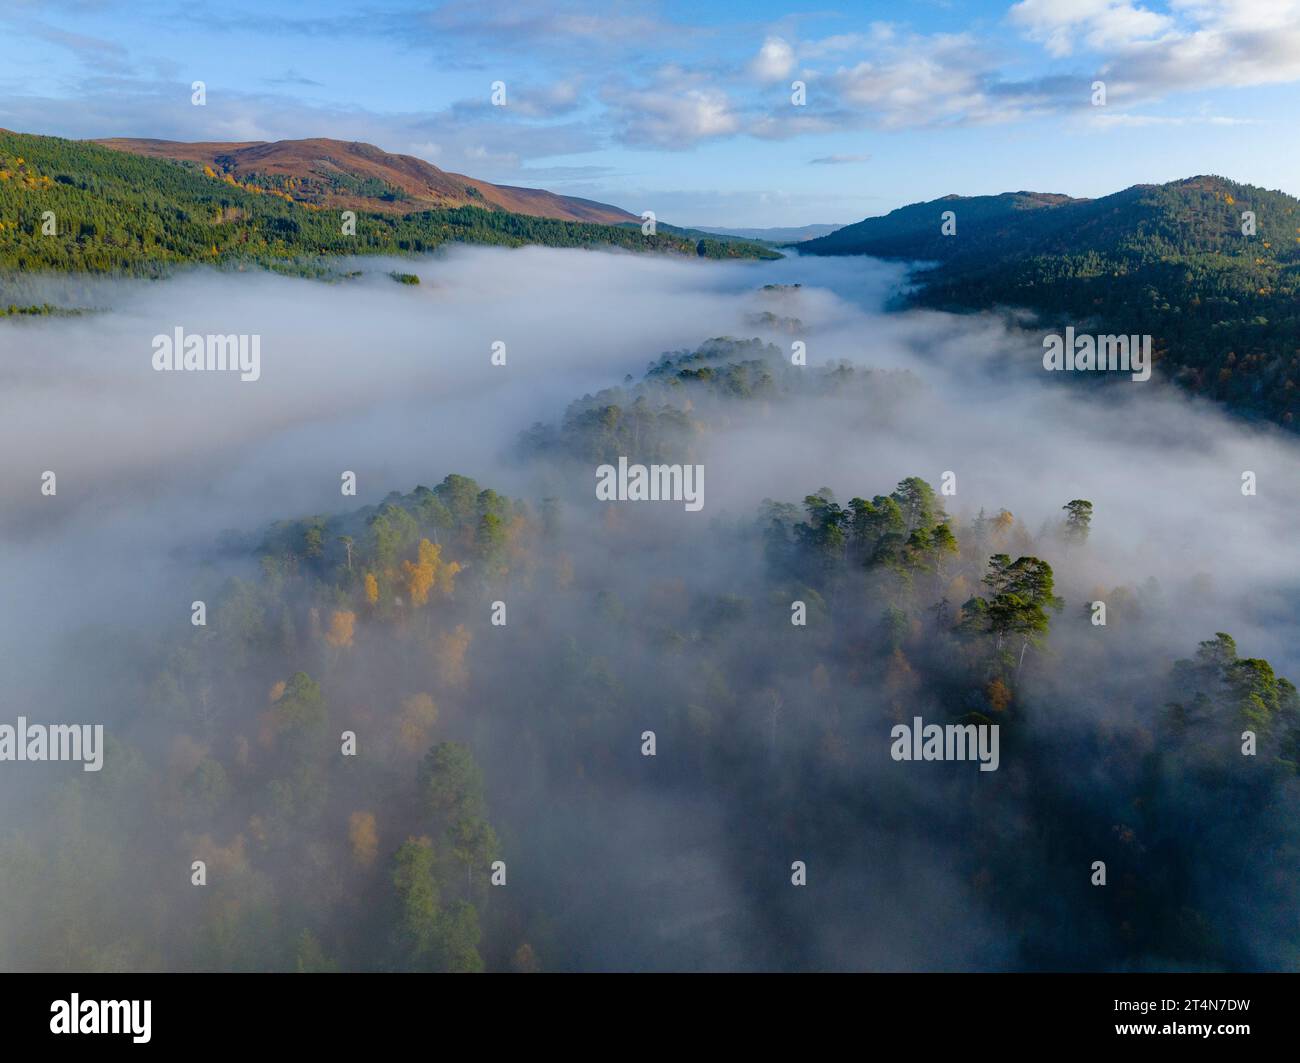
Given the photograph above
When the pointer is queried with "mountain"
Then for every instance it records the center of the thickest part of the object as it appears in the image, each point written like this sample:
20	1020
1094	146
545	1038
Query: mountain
914	231
1170	260
788	235
355	176
116	211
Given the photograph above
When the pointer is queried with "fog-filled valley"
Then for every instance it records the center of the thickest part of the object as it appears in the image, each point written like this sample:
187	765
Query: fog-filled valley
499	640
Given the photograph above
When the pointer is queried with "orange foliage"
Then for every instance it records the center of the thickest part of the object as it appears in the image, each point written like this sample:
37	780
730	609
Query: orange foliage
363	837
342	623
998	694
449	652
428	572
447	578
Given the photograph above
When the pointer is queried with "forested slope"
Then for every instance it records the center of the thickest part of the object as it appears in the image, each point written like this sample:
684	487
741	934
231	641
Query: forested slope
116	212
1167	260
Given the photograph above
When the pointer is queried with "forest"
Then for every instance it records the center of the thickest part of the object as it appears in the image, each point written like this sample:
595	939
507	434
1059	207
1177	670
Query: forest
122	214
493	664
1179	261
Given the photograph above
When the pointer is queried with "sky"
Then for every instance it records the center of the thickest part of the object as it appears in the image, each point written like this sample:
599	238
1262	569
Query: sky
689	109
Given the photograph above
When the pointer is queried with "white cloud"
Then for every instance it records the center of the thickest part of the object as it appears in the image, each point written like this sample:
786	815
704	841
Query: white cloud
1121	120
1200	44
775	60
557	98
921	80
1062	25
677	112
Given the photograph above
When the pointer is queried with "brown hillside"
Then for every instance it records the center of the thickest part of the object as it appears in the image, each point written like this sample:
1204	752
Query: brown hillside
342	174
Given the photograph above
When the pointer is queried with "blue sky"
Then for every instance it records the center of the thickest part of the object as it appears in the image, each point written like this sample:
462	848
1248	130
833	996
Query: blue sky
686	108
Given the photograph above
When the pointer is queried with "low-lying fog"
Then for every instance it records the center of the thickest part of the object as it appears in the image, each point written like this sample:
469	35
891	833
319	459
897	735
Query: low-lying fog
395	383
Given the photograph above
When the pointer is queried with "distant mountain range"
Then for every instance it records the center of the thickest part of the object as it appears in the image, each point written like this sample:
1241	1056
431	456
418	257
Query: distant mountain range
1207	266
351	175
792	235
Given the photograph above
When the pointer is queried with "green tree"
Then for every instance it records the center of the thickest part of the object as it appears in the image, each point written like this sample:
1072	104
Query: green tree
416	930
473	845
1019	595
1078	519
393	531
450	784
918	503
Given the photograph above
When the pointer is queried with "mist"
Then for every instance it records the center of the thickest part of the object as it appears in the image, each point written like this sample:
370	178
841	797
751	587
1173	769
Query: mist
620	861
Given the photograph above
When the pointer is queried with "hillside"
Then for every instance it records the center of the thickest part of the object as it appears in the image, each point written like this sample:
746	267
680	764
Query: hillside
120	212
355	176
1169	260
913	231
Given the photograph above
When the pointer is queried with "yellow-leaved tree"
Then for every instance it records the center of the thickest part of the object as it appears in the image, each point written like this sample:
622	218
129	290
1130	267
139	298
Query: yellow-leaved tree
342	622
449	651
429	572
447	578
421	574
363	835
